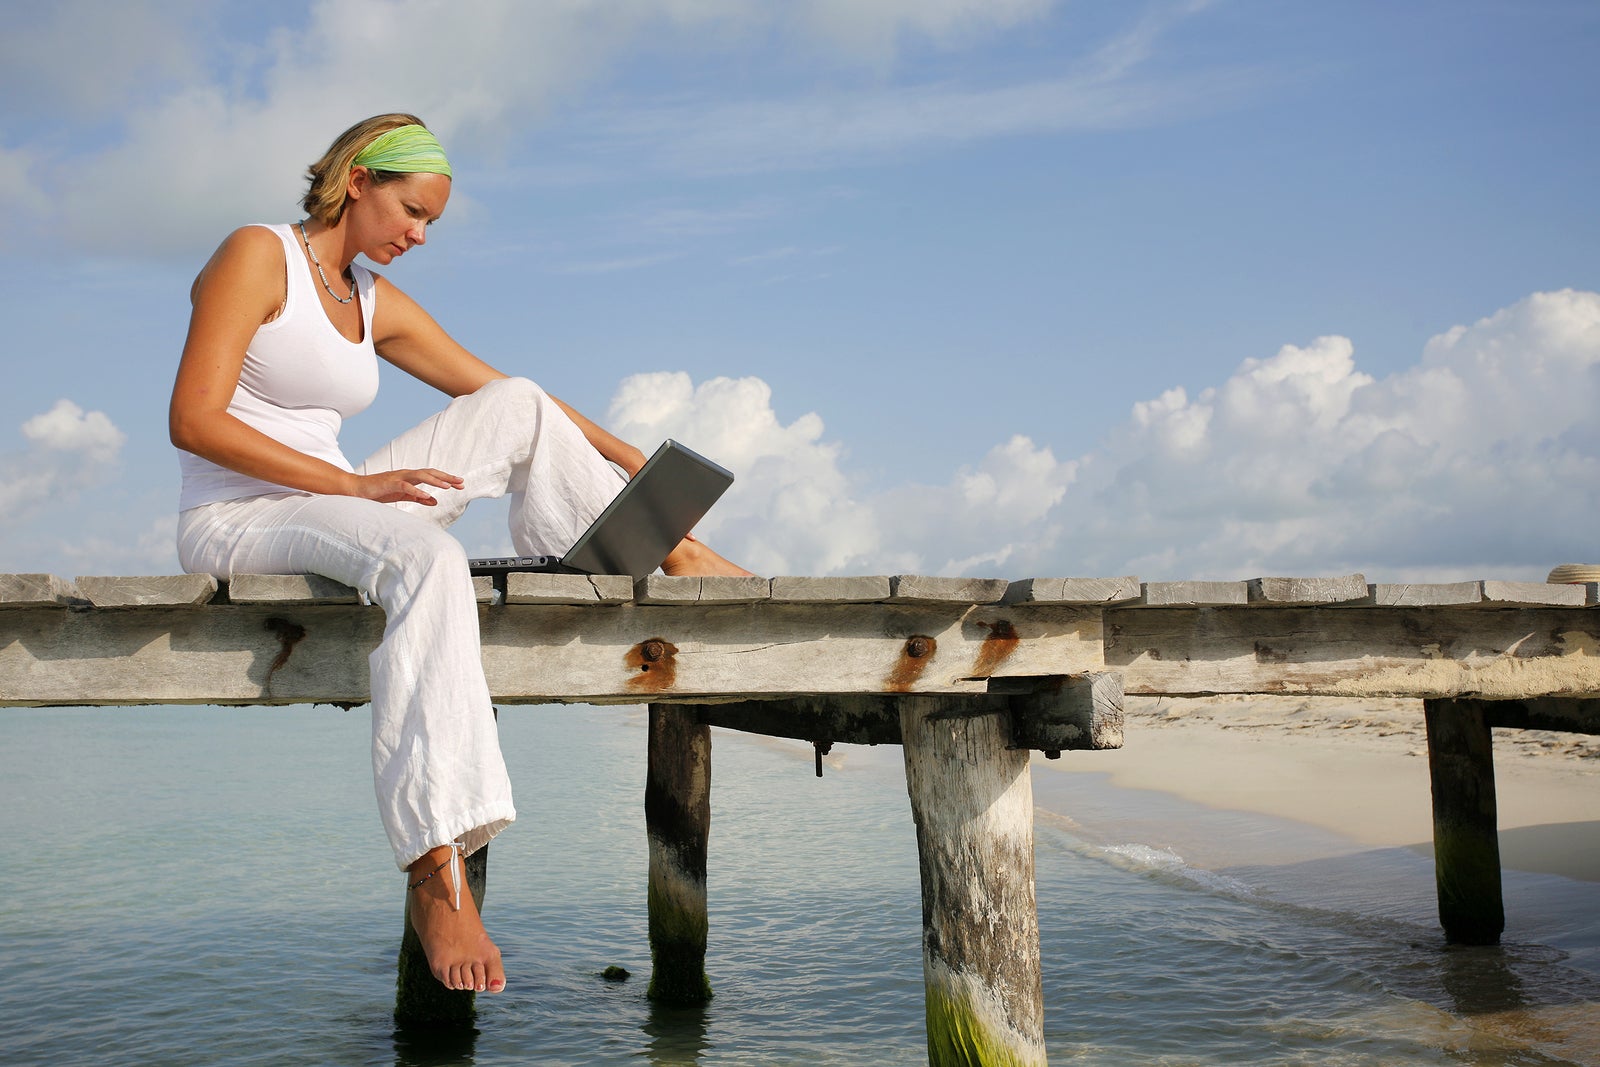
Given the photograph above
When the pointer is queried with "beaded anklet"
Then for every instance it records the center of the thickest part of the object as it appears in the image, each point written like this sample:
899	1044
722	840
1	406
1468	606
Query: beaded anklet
457	849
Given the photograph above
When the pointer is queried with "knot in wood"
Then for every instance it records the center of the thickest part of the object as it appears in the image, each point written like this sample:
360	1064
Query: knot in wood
918	647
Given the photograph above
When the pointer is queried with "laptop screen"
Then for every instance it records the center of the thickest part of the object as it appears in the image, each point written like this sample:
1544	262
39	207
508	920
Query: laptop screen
651	514
644	522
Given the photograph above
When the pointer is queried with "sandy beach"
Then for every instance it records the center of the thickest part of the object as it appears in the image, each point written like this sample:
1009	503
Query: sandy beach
1358	769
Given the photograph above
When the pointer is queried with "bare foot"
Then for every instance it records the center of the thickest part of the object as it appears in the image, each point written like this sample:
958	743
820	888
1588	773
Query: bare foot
693	557
458	948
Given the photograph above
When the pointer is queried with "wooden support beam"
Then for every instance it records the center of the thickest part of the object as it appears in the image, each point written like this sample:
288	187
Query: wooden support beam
1334	650
1466	843
1568	715
420	1001
677	814
1081	711
292	652
850	720
972	800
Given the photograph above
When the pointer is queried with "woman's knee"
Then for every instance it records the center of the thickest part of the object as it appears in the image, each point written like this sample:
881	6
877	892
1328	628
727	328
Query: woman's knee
516	393
425	556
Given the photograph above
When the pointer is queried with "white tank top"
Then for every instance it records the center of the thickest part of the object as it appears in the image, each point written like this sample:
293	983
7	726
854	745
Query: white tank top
301	379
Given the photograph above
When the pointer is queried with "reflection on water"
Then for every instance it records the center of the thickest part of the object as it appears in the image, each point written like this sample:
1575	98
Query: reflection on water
676	1035
218	891
435	1048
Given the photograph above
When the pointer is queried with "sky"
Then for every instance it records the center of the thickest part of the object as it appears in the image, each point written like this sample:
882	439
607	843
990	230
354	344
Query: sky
1011	288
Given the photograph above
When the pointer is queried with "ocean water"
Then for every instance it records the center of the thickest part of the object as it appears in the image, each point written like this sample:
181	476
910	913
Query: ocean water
211	886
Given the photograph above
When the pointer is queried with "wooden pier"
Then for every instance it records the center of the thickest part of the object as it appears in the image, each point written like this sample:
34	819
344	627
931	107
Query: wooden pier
967	675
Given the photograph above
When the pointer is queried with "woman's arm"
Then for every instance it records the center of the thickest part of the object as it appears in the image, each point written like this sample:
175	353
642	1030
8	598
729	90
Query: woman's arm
240	288
408	337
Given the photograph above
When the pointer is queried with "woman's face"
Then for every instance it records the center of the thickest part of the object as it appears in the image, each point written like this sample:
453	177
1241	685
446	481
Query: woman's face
392	217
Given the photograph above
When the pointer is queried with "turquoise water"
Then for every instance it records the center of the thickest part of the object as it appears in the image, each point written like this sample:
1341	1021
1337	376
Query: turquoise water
211	886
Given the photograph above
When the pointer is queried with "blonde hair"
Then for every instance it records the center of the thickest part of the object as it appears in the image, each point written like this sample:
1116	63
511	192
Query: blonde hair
325	198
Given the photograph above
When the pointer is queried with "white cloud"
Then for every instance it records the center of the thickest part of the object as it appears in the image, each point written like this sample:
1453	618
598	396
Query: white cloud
1483	460
1479	461
68	428
795	510
216	130
69	450
86	58
791	510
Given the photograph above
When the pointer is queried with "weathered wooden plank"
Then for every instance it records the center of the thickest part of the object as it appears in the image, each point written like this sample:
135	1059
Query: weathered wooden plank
709	589
289	589
307	589
282	653
972	801
137	592
847	589
1356	651
1193	594
667	589
37	591
734	589
1296	591
221	654
1533	594
1422	595
769	649
910	588
1074	590
529	587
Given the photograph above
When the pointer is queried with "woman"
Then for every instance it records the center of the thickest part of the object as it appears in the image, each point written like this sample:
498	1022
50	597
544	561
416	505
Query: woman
282	346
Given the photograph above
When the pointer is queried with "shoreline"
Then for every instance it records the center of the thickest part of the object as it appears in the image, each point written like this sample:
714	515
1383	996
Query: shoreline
1355	770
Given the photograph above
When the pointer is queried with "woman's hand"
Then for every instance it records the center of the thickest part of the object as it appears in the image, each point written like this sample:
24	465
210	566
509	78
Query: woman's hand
393	487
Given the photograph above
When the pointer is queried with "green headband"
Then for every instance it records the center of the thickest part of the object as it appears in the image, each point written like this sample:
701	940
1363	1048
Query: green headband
407	150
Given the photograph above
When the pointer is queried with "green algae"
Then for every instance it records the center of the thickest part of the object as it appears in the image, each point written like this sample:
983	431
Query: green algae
677	951
959	1036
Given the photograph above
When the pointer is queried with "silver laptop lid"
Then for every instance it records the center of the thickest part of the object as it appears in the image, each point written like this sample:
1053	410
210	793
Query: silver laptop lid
651	514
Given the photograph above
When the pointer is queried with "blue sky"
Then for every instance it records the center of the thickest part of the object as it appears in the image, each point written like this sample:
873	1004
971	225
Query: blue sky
1015	288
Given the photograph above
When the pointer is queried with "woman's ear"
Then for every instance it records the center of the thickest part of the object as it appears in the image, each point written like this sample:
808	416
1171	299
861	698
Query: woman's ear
359	181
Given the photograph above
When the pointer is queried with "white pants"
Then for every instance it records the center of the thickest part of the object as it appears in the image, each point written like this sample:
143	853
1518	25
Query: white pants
435	754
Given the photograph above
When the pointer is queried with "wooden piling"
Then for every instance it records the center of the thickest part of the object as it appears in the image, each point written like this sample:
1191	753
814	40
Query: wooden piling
677	812
1466	843
972	800
420	1001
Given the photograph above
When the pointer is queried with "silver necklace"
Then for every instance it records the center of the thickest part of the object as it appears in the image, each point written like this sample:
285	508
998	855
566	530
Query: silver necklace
312	252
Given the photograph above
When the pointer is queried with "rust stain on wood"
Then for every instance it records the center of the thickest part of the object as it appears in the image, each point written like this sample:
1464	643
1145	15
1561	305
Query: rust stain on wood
910	664
289	634
996	648
653	665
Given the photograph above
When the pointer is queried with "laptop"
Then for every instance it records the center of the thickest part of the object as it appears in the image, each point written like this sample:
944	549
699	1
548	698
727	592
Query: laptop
644	522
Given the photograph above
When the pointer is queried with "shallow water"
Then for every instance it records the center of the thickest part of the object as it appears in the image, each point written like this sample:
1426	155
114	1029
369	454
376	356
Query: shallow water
211	886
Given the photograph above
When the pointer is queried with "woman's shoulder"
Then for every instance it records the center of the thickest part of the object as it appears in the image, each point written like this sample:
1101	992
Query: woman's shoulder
256	237
250	252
